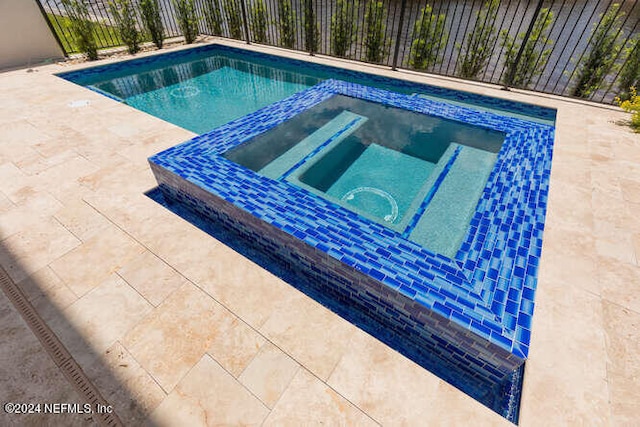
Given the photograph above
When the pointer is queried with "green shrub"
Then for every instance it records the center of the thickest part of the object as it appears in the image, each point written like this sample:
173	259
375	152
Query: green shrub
429	38
630	73
234	18
63	29
287	23
344	27
82	27
604	48
259	22
187	19
152	21
532	60
632	105
476	51
311	31
374	42
213	16
124	14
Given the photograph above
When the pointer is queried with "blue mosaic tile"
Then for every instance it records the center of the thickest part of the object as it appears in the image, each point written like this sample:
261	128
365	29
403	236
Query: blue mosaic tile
482	289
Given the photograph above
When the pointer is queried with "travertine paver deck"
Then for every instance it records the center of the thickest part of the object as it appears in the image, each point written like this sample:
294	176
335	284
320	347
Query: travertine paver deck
175	328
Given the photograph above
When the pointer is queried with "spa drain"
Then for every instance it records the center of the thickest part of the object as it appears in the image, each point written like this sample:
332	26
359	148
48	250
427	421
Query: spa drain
350	195
185	92
61	357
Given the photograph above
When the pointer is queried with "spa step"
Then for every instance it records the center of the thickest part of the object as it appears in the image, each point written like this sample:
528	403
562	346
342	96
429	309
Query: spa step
444	223
344	124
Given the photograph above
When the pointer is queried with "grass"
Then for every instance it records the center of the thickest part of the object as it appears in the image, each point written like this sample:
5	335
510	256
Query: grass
106	35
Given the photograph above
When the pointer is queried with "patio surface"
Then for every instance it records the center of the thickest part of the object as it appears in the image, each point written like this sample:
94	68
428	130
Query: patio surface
175	328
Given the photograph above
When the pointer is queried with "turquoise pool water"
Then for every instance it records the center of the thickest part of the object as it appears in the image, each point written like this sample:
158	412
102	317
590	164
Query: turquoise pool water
205	102
203	94
203	88
416	174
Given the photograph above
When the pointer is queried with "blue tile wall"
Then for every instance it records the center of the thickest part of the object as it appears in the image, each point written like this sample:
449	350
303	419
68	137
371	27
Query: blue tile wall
475	309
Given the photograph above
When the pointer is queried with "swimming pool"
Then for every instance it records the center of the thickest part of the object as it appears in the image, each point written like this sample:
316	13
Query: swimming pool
470	305
204	87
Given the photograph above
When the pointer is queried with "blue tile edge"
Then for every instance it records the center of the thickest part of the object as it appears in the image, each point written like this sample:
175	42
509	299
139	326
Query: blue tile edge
488	288
432	191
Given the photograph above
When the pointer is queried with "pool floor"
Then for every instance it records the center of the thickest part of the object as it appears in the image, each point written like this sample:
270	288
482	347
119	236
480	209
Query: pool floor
213	99
382	182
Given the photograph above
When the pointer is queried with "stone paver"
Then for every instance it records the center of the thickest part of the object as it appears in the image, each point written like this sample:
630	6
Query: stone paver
86	266
237	347
310	402
125	385
395	391
151	277
176	334
208	395
269	374
175	327
306	331
622	332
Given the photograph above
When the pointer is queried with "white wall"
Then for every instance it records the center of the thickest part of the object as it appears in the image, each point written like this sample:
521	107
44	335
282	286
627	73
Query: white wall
25	37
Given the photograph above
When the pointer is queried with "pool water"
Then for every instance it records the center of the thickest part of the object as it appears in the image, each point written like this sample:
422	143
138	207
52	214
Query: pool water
416	174
202	88
381	182
215	98
205	93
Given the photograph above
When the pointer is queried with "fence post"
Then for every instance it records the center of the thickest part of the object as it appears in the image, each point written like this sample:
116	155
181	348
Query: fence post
309	27
400	25
512	74
244	22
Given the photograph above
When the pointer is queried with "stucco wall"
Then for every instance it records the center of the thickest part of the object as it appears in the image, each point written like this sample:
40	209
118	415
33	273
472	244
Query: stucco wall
25	37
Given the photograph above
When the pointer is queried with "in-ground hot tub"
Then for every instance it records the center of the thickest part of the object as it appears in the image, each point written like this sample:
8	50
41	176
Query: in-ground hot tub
456	281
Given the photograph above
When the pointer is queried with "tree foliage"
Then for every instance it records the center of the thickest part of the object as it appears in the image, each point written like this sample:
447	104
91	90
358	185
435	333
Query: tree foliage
632	105
124	13
311	31
429	39
82	27
152	21
479	44
344	27
535	53
375	44
287	23
234	18
259	22
187	19
603	50
213	16
630	73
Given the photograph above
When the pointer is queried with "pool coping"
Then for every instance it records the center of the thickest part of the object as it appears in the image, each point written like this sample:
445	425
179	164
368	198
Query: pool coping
488	288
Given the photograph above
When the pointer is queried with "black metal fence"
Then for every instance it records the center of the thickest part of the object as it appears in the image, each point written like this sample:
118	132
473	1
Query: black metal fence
588	49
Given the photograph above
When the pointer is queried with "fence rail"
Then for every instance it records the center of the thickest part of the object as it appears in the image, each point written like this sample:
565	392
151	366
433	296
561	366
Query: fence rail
582	48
